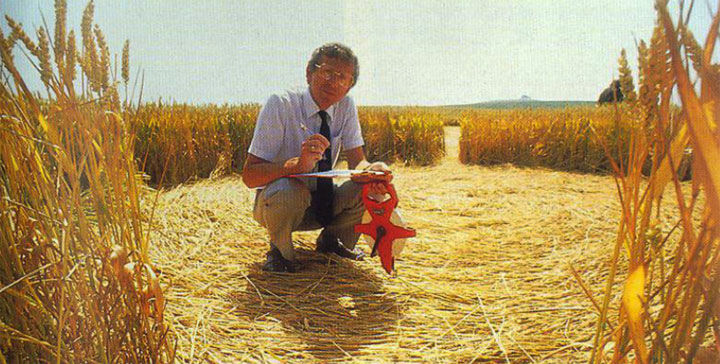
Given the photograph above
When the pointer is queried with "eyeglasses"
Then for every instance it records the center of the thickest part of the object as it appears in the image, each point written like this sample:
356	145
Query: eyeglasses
342	79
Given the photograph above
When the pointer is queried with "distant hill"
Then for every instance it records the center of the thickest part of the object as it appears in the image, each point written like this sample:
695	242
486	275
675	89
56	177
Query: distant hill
524	103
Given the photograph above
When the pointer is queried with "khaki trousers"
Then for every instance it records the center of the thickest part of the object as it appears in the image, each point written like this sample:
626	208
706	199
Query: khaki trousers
283	206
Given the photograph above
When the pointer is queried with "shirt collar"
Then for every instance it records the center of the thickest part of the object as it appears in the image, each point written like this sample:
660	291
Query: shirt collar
311	108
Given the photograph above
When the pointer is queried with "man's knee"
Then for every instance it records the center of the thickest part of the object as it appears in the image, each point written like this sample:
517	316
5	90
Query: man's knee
351	191
282	198
350	197
286	185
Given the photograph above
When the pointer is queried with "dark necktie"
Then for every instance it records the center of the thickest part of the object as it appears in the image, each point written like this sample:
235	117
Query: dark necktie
323	197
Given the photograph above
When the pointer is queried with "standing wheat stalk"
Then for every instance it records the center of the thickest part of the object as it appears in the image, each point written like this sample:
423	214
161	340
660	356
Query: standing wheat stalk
60	31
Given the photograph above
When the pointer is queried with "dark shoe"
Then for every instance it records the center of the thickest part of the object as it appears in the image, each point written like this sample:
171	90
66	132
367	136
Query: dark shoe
335	246
275	262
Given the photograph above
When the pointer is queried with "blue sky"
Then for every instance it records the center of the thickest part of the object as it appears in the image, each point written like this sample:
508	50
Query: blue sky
411	52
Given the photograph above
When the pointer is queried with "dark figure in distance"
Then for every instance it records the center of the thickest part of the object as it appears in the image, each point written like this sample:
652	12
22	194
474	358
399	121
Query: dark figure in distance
611	94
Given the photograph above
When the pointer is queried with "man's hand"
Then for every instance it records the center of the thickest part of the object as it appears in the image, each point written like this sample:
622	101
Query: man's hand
259	172
312	151
378	187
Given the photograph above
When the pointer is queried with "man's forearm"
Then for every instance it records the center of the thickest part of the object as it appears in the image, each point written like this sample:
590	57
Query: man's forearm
362	164
260	174
356	158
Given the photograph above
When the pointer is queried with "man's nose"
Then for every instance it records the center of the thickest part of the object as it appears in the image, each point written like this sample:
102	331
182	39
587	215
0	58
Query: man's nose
334	83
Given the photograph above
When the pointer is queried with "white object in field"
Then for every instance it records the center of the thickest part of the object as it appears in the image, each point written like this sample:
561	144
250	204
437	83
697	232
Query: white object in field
395	218
337	173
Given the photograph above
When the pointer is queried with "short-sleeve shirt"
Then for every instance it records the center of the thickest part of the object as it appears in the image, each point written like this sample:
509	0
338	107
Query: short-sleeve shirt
279	130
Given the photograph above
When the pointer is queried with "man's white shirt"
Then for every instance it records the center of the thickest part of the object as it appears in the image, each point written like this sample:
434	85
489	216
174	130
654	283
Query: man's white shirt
279	131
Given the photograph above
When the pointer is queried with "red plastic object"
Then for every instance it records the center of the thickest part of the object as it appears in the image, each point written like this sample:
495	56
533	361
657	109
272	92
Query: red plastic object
381	228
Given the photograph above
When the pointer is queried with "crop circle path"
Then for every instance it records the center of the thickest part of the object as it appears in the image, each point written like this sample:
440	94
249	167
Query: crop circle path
486	279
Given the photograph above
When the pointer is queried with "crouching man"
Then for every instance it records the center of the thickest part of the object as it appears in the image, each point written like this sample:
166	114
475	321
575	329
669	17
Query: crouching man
301	131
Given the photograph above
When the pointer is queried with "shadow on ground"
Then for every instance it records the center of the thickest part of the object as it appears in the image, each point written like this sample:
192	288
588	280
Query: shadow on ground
332	306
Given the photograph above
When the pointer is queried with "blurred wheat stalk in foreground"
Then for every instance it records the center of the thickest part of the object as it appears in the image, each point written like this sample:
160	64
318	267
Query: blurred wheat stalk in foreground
669	309
76	283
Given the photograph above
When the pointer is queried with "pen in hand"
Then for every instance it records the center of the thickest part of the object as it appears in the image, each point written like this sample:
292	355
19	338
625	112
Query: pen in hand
305	128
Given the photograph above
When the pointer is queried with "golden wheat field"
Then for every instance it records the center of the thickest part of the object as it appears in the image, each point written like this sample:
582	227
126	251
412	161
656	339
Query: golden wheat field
581	234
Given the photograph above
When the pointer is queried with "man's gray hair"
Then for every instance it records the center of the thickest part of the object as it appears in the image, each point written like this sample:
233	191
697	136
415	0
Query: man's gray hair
336	51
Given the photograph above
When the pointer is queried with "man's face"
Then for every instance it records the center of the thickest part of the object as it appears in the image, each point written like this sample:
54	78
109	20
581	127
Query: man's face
329	81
